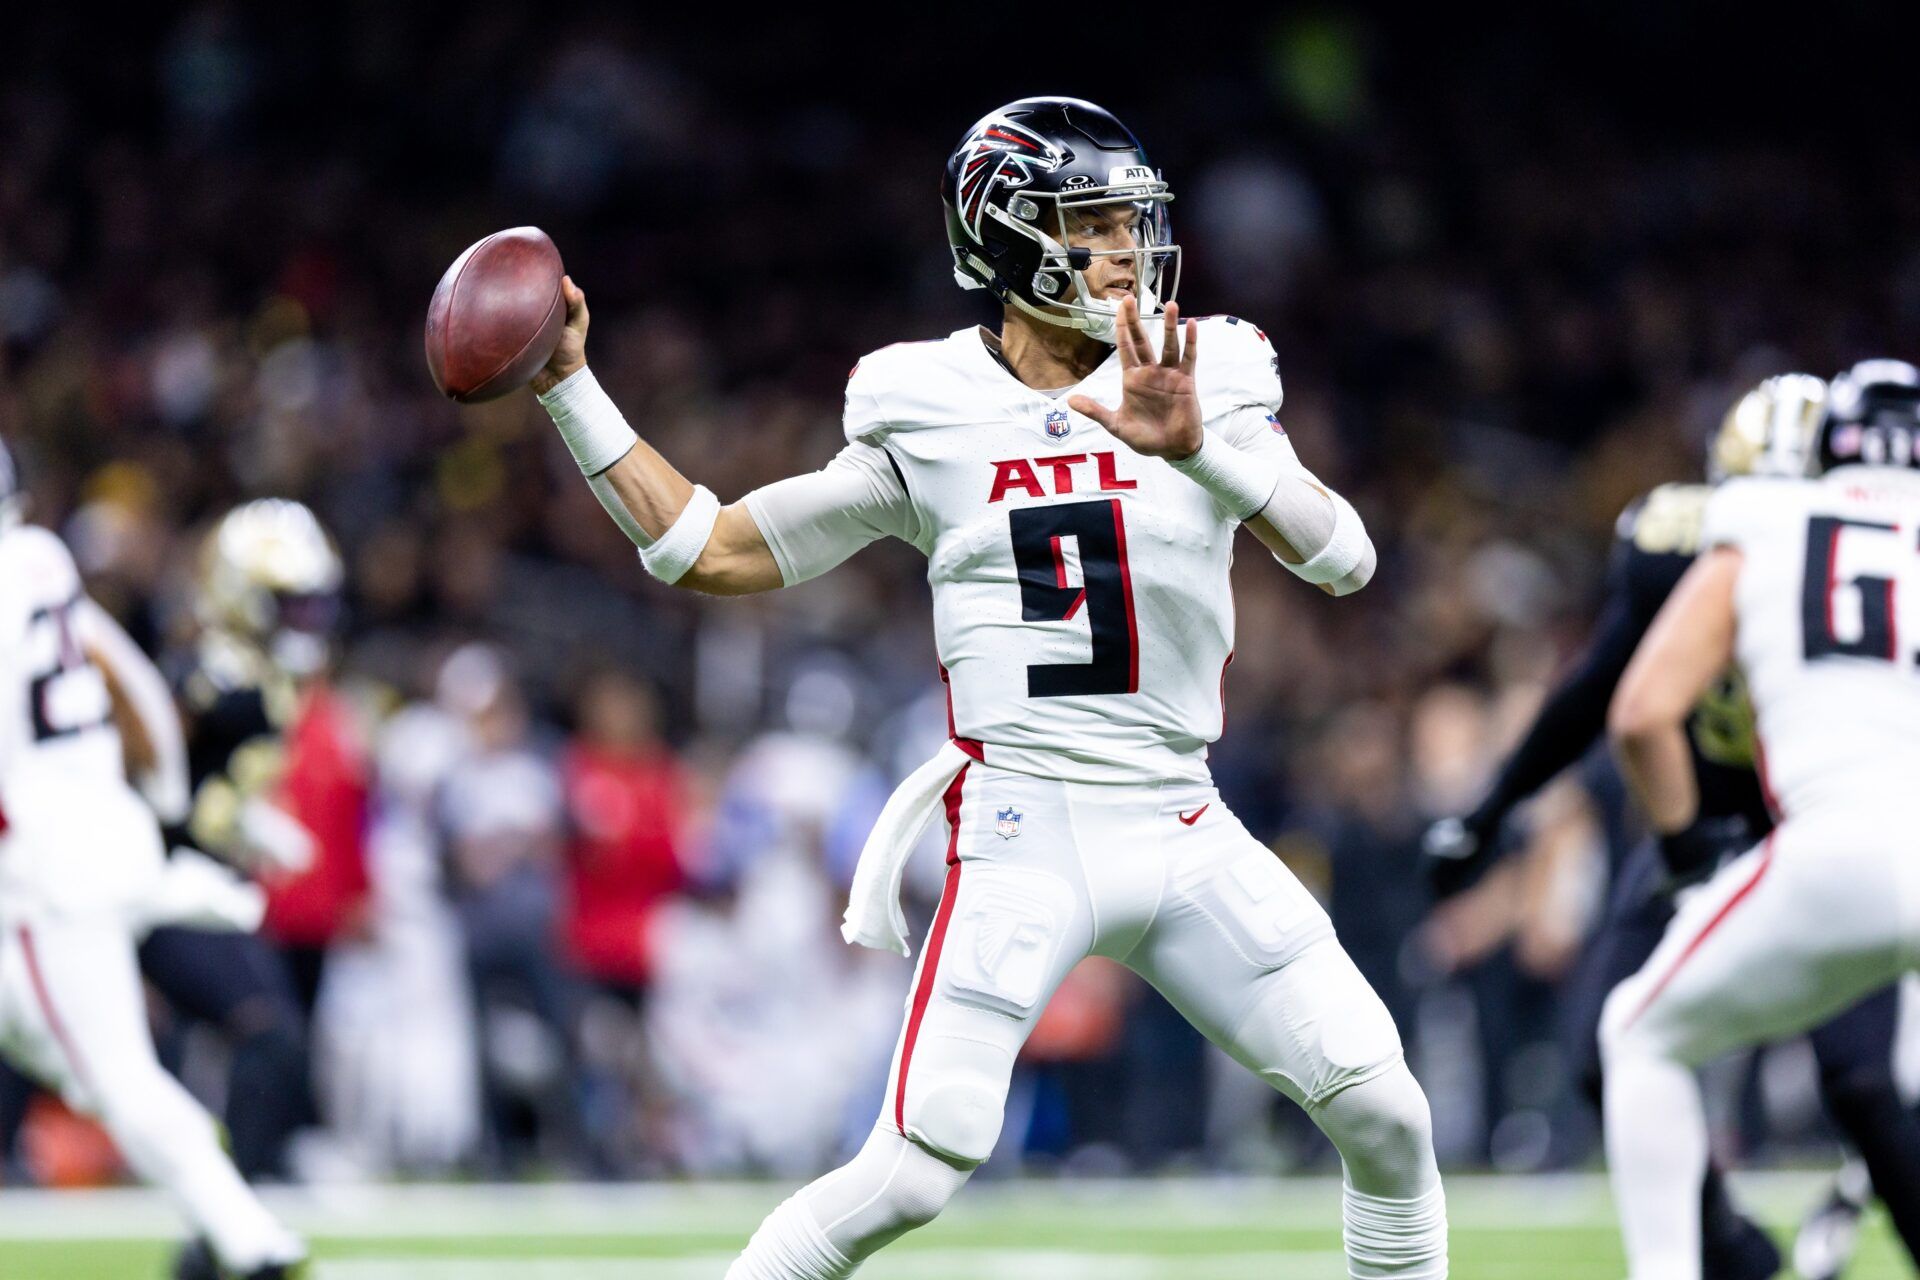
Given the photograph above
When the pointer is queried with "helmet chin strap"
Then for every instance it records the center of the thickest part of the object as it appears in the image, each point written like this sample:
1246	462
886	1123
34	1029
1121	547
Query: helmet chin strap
1098	318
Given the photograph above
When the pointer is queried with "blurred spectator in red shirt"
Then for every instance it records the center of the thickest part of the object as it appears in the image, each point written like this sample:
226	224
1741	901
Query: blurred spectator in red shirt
325	787
626	800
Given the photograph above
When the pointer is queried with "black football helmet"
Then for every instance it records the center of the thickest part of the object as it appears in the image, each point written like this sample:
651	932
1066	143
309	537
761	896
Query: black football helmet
1011	189
1872	418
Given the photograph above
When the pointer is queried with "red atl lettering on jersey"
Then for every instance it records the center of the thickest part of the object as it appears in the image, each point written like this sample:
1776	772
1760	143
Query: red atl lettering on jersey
1019	474
1015	473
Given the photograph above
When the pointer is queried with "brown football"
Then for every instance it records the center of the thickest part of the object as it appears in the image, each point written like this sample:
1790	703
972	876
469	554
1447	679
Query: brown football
496	316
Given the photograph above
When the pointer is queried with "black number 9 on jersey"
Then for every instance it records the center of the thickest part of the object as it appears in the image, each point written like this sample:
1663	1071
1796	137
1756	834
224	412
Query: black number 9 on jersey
1105	593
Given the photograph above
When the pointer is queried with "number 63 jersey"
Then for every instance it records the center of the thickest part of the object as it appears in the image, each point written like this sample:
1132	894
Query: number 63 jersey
1828	603
74	831
1080	590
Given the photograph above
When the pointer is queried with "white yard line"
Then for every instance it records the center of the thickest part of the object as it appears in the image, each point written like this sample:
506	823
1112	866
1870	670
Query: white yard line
920	1264
688	1211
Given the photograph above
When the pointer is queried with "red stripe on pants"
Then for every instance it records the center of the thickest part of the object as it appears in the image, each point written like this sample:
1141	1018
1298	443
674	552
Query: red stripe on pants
936	940
1719	918
51	1014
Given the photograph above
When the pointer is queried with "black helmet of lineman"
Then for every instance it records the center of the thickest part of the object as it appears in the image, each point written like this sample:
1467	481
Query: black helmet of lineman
1872	418
1014	184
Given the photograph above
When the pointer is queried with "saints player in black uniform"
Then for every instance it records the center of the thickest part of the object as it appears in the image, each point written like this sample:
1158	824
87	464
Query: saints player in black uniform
266	600
1767	432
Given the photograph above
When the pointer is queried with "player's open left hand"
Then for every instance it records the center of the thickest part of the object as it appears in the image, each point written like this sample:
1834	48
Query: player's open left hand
1159	413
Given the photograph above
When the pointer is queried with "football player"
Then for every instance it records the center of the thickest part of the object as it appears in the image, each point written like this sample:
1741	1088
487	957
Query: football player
266	598
1809	584
1076	481
1768	432
81	874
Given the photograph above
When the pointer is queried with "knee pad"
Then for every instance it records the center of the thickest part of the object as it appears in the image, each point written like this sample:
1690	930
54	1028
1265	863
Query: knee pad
957	1111
1383	1129
1315	1028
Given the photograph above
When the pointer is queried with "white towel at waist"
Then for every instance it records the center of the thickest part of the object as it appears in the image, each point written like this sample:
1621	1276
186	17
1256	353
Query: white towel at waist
874	918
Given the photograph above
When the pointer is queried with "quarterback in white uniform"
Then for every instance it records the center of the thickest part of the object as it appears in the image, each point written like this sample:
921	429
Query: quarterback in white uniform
1076	482
82	874
1813	587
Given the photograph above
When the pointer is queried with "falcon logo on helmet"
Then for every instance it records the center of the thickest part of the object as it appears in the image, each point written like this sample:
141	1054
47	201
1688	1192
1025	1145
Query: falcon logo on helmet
1001	155
1030	177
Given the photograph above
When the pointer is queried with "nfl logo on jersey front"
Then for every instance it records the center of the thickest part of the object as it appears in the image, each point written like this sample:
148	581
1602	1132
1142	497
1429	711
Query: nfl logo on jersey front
1009	823
1057	425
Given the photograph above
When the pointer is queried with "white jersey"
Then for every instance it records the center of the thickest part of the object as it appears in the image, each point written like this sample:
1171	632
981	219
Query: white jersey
75	831
1829	629
1080	590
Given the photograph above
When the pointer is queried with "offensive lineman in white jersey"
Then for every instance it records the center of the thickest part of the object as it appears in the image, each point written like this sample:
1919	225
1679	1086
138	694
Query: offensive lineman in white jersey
1813	587
82	875
1077	505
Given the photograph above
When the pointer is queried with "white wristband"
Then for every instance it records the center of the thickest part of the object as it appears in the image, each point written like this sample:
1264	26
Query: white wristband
590	422
1344	551
1239	481
677	550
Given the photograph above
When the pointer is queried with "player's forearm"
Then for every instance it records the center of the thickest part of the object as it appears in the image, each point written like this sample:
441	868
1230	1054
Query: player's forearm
1648	725
1688	645
685	538
646	488
1659	770
1309	528
158	750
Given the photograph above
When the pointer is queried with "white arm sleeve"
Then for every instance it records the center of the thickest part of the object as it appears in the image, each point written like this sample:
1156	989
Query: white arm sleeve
166	785
1317	522
813	522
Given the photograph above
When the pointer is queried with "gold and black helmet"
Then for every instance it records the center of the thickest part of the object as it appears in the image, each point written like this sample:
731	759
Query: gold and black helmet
271	577
1769	431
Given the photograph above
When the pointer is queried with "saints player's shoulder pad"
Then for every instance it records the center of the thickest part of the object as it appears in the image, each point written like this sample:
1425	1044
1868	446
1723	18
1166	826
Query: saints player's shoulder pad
1665	521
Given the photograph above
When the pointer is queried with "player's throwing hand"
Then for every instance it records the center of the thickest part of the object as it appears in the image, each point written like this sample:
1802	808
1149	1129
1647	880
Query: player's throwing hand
1159	413
571	355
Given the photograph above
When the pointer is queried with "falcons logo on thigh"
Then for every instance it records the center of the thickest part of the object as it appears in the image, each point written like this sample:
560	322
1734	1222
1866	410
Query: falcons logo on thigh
1001	154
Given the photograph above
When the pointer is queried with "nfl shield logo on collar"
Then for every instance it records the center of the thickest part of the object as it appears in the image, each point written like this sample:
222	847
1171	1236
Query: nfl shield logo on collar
1057	425
1008	825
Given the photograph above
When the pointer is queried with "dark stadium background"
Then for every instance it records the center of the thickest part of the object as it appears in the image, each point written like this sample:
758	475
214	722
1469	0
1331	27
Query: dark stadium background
1516	267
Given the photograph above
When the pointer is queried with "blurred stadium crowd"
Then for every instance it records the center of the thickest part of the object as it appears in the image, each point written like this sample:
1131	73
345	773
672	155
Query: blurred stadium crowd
609	825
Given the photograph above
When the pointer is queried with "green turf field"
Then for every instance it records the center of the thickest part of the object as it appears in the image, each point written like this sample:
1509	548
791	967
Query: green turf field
1505	1229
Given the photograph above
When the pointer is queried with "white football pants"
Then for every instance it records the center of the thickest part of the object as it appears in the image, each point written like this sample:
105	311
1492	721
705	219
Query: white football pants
1042	874
73	1014
1818	917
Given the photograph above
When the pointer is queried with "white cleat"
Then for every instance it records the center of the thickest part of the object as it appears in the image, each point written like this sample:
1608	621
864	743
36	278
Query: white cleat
1827	1240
